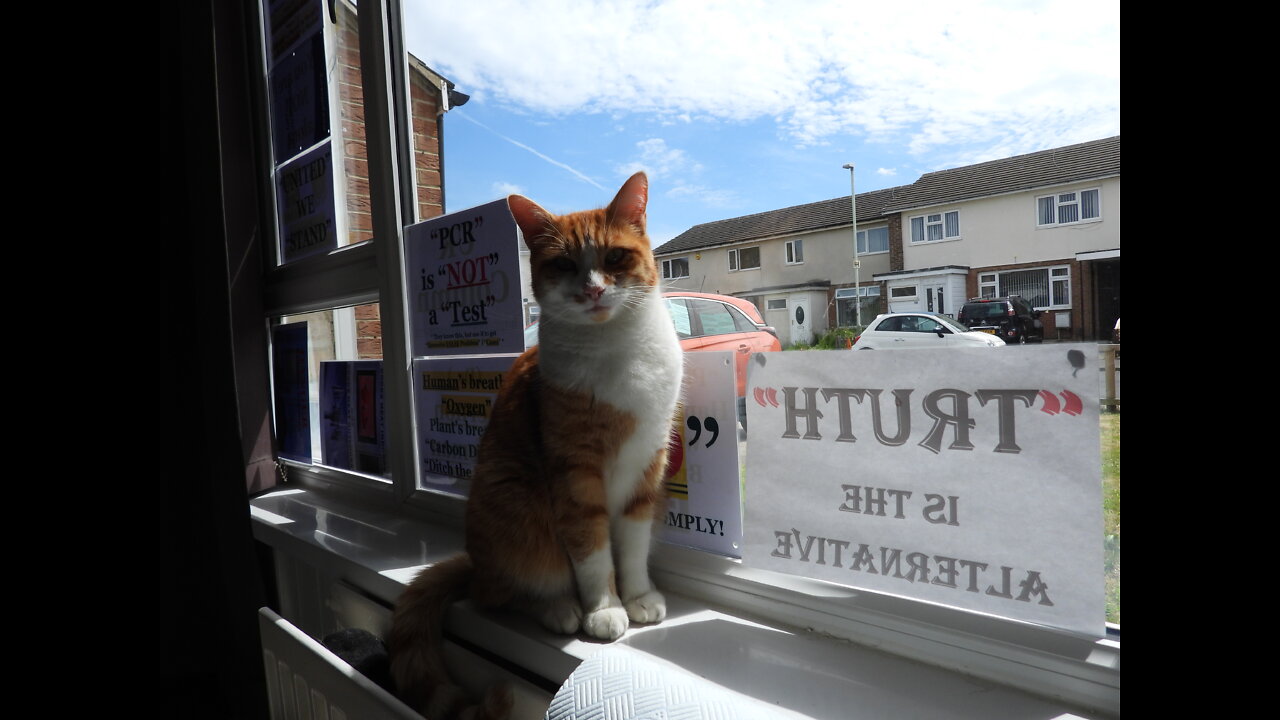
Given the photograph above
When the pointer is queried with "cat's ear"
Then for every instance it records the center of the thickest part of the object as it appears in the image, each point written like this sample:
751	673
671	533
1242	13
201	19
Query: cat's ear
531	218
628	207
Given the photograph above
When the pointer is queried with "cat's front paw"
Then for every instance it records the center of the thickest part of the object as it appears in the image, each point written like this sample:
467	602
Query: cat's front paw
650	607
562	615
606	623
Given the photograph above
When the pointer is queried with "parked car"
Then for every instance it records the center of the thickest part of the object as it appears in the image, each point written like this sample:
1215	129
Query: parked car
920	330
1011	318
708	322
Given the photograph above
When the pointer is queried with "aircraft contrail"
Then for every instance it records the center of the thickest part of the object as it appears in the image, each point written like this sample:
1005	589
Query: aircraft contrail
519	144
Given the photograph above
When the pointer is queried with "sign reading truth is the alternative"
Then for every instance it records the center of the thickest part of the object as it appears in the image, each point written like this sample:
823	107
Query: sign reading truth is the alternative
968	477
463	282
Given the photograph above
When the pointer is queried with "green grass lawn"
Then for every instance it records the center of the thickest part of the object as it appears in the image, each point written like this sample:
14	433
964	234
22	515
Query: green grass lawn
1110	425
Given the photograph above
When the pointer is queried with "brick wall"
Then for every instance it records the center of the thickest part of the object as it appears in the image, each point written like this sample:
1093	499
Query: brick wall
425	109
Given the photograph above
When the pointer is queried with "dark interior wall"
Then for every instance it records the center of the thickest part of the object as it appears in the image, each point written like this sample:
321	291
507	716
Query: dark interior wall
210	579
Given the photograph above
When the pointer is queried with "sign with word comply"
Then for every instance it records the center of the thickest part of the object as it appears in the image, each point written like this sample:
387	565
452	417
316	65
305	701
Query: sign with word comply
454	397
967	477
463	282
703	484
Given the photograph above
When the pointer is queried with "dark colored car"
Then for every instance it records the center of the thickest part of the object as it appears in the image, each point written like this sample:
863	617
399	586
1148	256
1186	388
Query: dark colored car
1010	318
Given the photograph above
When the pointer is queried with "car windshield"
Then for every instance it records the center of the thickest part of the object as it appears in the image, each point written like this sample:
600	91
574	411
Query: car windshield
955	326
984	310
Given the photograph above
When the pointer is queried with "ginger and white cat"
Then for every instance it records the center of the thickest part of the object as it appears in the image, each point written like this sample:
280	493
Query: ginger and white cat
569	473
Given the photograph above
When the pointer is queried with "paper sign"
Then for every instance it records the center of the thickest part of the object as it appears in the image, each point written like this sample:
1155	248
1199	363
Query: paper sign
463	280
289	369
454	398
704	508
304	193
353	432
968	477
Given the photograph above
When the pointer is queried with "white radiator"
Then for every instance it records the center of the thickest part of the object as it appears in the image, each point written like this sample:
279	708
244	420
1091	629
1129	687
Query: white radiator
305	681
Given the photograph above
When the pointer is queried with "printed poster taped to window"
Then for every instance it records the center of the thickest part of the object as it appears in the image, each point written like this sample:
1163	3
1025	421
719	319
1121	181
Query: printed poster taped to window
703	484
463	282
968	477
454	399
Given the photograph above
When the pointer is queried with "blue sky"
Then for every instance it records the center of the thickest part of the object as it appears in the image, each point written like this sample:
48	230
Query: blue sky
745	106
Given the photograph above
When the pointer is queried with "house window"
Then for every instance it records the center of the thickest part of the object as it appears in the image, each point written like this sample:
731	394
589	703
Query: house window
868	296
795	252
744	259
907	292
1068	208
935	227
875	240
1045	288
675	268
777	304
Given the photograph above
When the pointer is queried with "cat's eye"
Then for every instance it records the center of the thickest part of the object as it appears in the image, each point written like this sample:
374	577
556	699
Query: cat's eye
564	264
615	256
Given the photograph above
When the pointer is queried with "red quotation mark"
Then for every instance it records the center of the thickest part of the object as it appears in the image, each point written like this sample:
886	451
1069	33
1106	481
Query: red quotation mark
1071	403
766	397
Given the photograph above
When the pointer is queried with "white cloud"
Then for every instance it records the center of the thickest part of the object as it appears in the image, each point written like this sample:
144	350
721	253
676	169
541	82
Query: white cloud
887	171
503	189
934	74
658	160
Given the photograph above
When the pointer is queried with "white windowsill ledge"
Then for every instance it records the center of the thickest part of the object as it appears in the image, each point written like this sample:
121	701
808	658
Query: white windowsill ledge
806	673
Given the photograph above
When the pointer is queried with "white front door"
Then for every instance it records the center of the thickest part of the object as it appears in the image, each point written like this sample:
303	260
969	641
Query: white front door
801	322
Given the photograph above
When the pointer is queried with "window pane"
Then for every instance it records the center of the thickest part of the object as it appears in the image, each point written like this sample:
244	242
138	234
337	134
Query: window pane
878	240
1047	214
680	316
917	229
1089	205
1032	285
749	258
714	316
1068	213
953	224
935	232
341	382
733	259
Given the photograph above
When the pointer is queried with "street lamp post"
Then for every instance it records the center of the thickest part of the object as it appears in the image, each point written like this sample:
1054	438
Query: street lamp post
857	264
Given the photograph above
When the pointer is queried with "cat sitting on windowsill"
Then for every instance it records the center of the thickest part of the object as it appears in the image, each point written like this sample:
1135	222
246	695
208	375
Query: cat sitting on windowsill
569	472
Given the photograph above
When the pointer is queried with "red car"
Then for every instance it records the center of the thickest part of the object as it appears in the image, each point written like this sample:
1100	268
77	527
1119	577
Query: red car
714	322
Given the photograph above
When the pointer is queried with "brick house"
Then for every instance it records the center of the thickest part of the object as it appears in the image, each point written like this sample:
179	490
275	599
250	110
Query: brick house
1044	225
431	96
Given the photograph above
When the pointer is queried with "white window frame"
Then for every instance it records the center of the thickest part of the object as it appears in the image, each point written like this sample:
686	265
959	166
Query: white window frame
1058	201
931	220
670	263
1082	670
1057	279
794	254
775	304
895	295
862	241
735	256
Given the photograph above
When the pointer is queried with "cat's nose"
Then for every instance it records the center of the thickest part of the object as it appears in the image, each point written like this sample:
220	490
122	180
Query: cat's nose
593	292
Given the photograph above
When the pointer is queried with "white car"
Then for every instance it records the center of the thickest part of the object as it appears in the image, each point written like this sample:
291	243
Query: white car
920	330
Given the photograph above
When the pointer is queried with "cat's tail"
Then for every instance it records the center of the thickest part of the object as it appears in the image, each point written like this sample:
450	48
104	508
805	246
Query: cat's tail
415	645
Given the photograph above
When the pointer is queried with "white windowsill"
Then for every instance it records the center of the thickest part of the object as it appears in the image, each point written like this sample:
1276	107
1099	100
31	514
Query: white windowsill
807	672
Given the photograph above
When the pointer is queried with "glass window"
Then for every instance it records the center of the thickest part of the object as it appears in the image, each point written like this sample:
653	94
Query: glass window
1068	207
874	240
935	227
744	259
777	304
714	317
795	252
1042	288
680	316
675	268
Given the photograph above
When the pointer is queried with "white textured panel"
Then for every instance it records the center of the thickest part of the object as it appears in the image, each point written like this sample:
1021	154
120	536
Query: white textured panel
620	683
310	677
